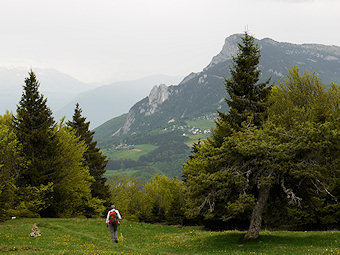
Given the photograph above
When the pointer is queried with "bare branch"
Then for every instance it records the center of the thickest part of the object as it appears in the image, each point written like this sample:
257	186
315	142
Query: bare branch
207	201
327	191
293	199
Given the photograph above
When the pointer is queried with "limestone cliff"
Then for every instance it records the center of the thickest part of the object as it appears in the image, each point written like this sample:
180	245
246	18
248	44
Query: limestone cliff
148	106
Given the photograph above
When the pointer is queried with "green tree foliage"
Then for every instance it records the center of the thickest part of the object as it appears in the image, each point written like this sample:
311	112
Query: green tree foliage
254	163
126	195
31	201
159	200
300	161
72	190
33	126
10	162
303	99
247	98
23	201
163	200
93	158
10	159
210	187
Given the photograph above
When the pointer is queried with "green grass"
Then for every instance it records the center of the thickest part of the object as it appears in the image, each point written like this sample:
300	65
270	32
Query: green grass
90	236
125	172
195	139
202	124
133	154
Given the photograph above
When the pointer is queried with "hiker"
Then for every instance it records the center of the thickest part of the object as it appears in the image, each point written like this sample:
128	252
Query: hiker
113	220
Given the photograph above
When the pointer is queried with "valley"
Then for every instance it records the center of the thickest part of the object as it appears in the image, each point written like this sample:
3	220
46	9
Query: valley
145	159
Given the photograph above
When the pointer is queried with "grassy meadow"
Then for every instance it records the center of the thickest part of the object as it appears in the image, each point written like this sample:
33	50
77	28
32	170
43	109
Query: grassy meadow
90	236
133	154
202	124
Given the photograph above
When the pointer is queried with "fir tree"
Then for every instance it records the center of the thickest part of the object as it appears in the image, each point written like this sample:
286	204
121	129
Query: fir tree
248	98
34	129
93	158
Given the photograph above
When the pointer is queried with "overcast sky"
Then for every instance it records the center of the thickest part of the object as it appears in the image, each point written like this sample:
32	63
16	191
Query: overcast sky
113	40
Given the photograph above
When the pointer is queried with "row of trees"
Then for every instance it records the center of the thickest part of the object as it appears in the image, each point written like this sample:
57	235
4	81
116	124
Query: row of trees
48	169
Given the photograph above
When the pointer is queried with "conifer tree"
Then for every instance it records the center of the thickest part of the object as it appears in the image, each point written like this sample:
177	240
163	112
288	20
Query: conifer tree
248	98
93	158
248	102
33	126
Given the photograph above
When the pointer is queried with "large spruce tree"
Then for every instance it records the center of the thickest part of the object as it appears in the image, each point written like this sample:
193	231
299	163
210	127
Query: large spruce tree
93	158
33	125
210	186
247	98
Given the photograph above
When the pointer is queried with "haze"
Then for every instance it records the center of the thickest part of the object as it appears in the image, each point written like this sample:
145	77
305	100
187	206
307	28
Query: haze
113	40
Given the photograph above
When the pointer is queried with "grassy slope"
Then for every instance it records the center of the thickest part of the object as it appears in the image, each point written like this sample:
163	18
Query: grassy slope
202	124
103	133
90	236
134	154
123	172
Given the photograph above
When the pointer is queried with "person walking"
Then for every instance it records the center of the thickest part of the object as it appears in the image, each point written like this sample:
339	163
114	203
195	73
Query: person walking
112	221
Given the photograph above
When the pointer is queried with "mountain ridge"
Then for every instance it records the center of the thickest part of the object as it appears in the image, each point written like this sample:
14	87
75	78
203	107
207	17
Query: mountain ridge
305	56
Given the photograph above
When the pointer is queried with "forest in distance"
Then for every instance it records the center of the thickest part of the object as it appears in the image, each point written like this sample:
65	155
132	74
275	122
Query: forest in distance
271	161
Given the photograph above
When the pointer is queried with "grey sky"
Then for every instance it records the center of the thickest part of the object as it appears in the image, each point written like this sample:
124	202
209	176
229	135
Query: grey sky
112	40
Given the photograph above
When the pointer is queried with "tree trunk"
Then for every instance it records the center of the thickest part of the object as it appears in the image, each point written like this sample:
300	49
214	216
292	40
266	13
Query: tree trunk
256	217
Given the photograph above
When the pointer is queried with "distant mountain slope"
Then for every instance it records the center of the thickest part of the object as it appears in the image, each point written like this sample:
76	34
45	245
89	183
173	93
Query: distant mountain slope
108	101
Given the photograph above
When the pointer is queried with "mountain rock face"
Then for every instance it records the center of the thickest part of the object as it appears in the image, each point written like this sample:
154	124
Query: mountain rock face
228	51
201	94
147	107
157	96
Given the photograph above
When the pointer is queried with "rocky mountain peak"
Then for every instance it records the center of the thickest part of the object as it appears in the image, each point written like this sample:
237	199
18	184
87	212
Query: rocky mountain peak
228	51
148	106
158	94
